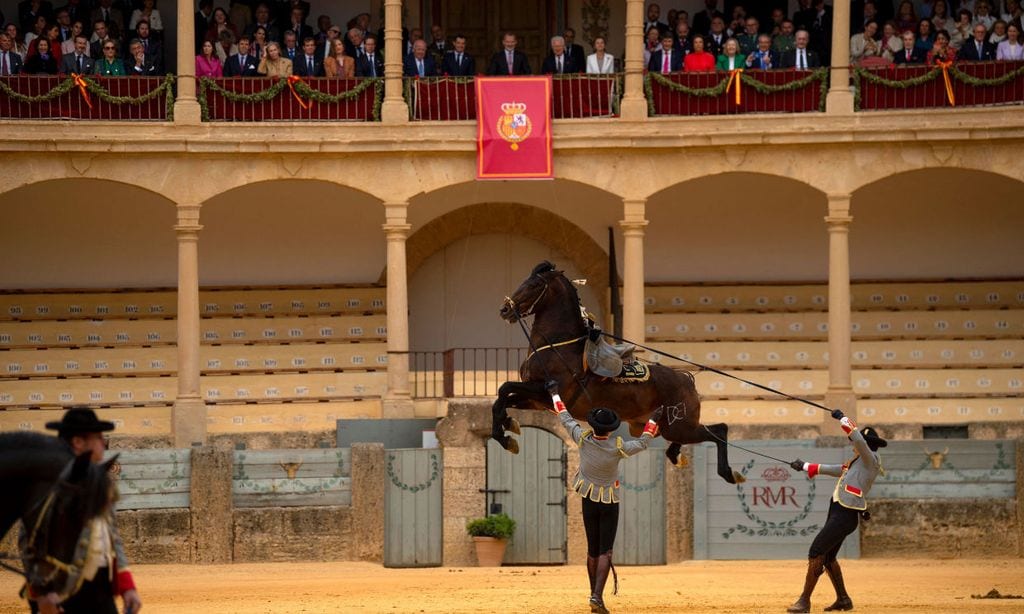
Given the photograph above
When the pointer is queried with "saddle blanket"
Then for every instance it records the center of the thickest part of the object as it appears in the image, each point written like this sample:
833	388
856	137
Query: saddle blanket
634	372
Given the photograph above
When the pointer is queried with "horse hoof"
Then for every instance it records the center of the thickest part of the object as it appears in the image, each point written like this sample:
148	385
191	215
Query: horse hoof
512	446
738	477
512	425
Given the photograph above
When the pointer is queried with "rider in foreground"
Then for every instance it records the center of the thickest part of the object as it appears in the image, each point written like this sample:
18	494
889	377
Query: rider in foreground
597	482
104	568
849	503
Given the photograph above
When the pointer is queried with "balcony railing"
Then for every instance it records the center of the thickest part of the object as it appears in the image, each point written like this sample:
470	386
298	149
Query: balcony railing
87	97
916	87
736	92
248	99
454	98
463	372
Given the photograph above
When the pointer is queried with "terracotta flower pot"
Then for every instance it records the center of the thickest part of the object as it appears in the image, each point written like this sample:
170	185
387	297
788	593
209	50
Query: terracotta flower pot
490	551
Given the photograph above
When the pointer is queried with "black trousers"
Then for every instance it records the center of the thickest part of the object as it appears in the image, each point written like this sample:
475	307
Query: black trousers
95	597
841	522
601	521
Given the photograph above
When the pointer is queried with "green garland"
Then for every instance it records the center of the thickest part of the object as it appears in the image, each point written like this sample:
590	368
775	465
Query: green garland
100	92
820	74
208	84
902	84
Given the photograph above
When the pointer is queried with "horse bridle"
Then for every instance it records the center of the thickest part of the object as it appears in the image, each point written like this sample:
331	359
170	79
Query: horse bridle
529	310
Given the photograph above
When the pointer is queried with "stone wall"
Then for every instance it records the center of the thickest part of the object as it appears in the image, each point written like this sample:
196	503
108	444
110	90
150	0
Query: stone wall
156	536
293	534
935	528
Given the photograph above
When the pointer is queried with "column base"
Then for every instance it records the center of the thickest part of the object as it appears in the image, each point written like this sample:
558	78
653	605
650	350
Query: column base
394	112
188	422
842	399
394	407
839	101
633	108
187	113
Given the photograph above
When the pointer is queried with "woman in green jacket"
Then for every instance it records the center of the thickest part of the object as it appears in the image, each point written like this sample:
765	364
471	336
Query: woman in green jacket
110	65
730	58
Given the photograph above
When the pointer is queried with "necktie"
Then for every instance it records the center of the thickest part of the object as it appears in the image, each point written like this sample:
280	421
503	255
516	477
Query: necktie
419	67
803	61
665	66
4	70
373	67
241	65
979	49
458	59
309	66
145	44
908	55
508	58
559	63
79	64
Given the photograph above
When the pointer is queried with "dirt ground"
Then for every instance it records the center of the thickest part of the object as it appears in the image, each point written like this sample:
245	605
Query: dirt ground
878	585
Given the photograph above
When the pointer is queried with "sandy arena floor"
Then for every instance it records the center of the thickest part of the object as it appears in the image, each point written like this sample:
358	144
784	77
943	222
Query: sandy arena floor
720	587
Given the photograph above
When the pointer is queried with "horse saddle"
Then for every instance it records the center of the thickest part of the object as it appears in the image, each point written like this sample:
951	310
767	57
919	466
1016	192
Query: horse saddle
608	359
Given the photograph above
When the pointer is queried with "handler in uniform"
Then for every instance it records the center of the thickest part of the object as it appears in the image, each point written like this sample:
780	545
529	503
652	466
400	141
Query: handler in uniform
101	568
849	502
597	482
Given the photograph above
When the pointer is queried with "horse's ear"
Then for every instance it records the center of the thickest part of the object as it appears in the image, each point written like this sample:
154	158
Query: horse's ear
543	267
80	468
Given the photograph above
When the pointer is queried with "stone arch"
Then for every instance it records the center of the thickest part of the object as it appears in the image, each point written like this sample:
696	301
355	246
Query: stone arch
84	185
277	181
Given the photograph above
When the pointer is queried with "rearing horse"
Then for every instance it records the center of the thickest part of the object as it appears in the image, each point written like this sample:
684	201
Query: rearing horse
557	338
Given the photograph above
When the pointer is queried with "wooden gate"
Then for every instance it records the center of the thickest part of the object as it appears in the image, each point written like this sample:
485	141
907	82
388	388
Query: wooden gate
774	515
531	488
641	536
413	531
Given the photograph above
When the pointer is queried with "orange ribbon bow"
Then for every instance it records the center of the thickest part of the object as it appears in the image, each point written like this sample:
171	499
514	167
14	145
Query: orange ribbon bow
949	84
292	80
734	77
83	88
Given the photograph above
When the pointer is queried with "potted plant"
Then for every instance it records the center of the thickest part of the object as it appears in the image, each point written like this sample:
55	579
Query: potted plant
490	535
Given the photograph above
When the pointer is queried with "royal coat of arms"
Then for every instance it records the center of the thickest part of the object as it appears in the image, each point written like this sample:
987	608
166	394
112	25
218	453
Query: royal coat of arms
514	125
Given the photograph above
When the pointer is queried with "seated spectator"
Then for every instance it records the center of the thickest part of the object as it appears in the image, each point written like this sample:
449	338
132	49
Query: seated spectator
983	14
716	38
778	16
273	64
940	51
864	45
698	60
370	63
290	49
52	36
241	64
150	15
1013	12
139	63
38	29
925	35
324	48
151	47
737	23
963	29
764	57
78	61
225	47
220	24
652	43
891	41
457	62
600	62
977	49
10	62
354	43
111	15
414	35
998	33
207	63
906	18
910	53
785	39
941	18
110	65
18	45
419	63
100	35
509	60
259	42
40	61
800	57
747	40
1012	48
68	46
667	59
681	40
558	62
730	59
323	28
339	64
308	64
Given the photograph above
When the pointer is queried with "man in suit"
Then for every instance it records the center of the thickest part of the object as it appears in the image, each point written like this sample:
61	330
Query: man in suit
909	54
262	18
715	39
653	13
556	62
78	62
308	64
286	10
290	49
702	20
100	35
354	43
458	63
242	64
78	10
371	62
764	57
682	40
298	25
10	62
202	20
323	49
154	51
419	63
108	14
137	63
509	61
821	29
748	39
801	58
64	24
438	45
978	49
573	51
667	59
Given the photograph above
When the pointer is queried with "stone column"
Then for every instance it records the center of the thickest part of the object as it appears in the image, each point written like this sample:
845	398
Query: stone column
634	212
397	399
369	483
188	422
634	102
840	390
840	99
393	110
186	107
211	506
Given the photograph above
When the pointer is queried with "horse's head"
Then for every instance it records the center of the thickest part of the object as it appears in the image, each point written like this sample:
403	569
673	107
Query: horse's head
532	294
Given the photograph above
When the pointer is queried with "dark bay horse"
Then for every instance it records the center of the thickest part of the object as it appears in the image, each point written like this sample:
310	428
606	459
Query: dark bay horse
55	495
558	337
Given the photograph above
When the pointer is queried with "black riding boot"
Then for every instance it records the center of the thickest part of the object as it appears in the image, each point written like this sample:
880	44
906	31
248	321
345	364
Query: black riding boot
815	567
843	601
592	571
604	565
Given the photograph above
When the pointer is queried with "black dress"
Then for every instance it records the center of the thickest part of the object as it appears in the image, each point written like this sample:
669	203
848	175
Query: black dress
37	65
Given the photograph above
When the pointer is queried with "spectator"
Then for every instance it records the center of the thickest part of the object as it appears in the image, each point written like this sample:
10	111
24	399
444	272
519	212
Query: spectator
778	16
978	49
291	46
672	18
682	17
140	64
52	36
242	64
262	17
110	65
653	13
286	7
325	49
601	62
240	14
354	43
698	60
226	47
370	63
998	33
803	18
730	59
40	61
207	62
18	45
764	57
149	14
38	29
906	19
10	62
870	13
339	64
457	62
308	64
68	46
574	51
298	25
63	22
864	45
785	40
891	41
681	40
259	42
29	12
940	51
273	64
78	60
667	59
962	29
557	62
323	29
152	48
800	57
1011	49
821	30
509	61
113	17
652	43
702	20
414	35
438	44
1013	12
941	19
983	15
714	41
219	24
100	35
925	35
203	18
738	21
419	63
910	53
748	39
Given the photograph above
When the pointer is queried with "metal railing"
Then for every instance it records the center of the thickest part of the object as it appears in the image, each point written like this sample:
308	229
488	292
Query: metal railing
736	93
918	87
317	99
463	372
88	97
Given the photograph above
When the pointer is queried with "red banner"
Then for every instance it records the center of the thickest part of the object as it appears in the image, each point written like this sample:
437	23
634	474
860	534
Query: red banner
513	127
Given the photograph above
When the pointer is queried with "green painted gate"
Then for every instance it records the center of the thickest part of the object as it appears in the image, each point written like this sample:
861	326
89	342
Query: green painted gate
531	488
413	531
640	539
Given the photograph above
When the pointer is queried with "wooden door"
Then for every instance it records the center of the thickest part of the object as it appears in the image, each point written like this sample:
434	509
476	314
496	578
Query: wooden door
413	526
483	23
640	539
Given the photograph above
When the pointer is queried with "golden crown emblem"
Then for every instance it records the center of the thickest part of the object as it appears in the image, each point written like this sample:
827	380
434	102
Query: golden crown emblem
514	125
513	108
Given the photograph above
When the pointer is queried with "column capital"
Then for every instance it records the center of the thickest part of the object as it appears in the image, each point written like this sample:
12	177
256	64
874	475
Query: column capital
838	222
188	219
633	227
634	210
396	231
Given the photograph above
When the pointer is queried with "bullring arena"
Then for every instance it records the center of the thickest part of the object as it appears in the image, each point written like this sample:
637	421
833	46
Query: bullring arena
285	296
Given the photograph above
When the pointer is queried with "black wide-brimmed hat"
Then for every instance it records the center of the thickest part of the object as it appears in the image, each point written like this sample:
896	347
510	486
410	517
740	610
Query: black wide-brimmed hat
603	419
871	436
80	420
